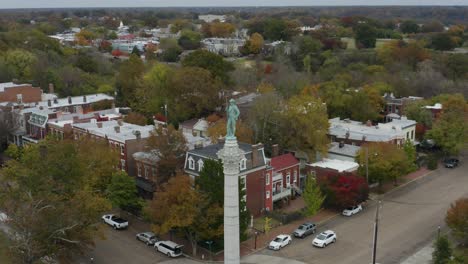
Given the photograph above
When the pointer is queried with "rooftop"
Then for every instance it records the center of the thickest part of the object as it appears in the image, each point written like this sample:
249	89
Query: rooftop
345	149
10	85
76	100
108	129
338	165
283	161
435	106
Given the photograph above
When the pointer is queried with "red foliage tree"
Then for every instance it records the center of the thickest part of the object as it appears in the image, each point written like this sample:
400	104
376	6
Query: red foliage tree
343	190
117	53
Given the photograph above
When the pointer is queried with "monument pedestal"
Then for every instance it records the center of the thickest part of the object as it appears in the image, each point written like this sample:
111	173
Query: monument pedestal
231	155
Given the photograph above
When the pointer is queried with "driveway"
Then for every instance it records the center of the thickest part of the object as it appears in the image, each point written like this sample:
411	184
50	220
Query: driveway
409	218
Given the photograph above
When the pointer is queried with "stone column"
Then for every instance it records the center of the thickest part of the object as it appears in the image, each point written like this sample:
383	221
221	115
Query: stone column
231	155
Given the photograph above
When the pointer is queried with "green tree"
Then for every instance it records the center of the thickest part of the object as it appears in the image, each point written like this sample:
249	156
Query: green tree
136	51
366	104
313	197
214	63
189	40
409	26
123	193
304	119
443	41
20	62
411	154
450	130
416	111
442	251
128	78
136	118
366	35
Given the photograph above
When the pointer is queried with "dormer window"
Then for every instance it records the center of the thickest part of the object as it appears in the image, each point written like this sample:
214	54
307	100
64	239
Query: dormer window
200	165
191	163
243	164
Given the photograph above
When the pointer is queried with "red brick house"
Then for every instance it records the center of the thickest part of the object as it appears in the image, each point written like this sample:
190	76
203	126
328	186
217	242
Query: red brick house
19	93
282	179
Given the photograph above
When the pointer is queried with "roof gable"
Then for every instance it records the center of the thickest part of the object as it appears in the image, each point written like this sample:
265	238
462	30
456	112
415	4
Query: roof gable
283	161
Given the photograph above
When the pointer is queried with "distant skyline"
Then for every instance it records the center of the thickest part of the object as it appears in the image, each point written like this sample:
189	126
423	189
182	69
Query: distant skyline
6	4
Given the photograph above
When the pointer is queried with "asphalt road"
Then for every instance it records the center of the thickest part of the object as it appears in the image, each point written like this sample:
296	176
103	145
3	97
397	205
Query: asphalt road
409	219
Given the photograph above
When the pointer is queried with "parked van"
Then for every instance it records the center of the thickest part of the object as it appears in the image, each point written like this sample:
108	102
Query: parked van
168	248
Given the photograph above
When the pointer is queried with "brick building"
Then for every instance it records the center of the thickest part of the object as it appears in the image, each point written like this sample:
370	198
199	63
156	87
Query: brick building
19	93
395	107
126	138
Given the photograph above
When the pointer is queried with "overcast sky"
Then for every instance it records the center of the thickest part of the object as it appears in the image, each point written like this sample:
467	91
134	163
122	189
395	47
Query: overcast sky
160	3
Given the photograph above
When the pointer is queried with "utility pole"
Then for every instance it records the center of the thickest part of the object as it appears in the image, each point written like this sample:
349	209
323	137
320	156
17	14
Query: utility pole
367	164
376	228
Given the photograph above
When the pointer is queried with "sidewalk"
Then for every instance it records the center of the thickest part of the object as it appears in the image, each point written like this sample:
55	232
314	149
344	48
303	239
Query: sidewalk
423	256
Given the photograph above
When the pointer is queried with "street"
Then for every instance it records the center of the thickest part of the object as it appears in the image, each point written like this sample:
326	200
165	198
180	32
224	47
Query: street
409	218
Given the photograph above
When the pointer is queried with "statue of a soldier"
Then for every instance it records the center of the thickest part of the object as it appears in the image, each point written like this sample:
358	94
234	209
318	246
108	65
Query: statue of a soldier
232	116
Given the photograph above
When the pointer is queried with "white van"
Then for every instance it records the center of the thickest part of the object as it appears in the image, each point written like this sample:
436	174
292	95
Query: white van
168	248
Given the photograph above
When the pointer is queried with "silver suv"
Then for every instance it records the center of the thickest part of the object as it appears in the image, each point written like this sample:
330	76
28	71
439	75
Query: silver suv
305	230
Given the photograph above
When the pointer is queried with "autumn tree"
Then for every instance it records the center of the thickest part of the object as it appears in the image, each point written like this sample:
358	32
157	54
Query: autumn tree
343	190
253	45
443	41
417	112
218	29
190	211
366	104
169	145
450	130
20	63
304	119
218	130
313	197
84	37
214	63
189	40
386	162
193	92
49	195
123	193
136	118
456	219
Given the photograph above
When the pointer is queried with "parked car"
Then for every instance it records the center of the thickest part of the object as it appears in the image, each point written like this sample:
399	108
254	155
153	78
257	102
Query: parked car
168	248
305	230
451	163
4	217
149	238
324	239
279	242
115	221
352	210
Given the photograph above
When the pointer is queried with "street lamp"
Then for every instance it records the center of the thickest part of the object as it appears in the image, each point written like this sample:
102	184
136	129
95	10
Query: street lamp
256	234
209	245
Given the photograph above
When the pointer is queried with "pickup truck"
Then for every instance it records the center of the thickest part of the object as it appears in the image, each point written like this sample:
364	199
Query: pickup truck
115	221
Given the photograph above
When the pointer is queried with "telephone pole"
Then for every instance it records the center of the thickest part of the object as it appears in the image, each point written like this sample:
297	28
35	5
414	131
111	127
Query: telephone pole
376	228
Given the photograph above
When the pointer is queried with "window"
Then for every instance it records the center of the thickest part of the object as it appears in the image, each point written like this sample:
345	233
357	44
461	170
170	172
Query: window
288	179
267	179
153	171
243	164
407	135
146	172
268	194
139	170
122	162
412	134
191	163
122	148
200	165
295	176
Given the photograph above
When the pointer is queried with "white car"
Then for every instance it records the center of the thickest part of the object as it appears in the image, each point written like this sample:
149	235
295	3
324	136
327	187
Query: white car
279	242
115	221
168	248
352	210
324	239
4	217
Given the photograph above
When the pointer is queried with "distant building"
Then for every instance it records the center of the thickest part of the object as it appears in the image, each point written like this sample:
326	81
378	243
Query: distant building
223	46
357	133
395	107
332	166
212	18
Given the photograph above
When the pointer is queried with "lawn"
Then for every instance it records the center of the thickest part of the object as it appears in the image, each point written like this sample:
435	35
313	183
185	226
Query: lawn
4	258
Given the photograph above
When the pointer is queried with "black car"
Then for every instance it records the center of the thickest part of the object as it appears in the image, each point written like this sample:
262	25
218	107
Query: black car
451	163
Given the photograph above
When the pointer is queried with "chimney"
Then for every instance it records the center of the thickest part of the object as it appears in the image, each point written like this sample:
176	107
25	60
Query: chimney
69	99
369	123
274	150
255	155
49	103
120	122
84	98
51	88
341	144
75	119
55	100
117	129
137	134
99	124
